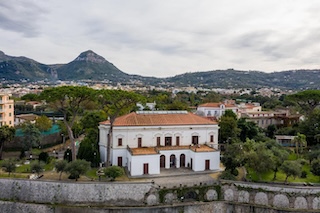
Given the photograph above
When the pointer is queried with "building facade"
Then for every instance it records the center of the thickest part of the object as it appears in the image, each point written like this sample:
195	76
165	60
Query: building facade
6	110
147	141
215	109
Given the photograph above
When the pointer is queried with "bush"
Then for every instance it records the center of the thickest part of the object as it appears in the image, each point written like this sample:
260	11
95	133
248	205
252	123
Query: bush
8	166
43	156
113	172
37	167
235	172
227	175
304	174
77	168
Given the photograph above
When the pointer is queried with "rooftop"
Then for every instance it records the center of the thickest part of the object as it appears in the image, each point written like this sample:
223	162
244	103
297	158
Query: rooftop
160	118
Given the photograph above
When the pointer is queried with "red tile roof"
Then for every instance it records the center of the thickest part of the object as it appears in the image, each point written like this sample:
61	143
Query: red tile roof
160	118
216	105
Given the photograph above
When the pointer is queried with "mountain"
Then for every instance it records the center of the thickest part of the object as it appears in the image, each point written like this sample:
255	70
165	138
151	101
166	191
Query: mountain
90	66
16	68
294	79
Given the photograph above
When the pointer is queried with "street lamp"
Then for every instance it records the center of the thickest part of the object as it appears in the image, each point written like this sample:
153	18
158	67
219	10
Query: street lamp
94	159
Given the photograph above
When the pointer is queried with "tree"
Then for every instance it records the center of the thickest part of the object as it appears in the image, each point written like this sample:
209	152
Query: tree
270	132
299	141
77	168
115	103
30	97
233	157
43	123
256	158
31	136
279	156
113	172
88	149
291	168
228	129
315	167
6	135
8	166
37	167
247	129
91	119
70	101
44	157
308	100
60	167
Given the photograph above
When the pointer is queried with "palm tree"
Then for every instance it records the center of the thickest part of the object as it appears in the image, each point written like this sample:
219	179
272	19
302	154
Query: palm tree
299	141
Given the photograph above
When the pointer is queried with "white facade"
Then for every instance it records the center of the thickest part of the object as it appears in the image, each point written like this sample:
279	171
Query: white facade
215	109
144	149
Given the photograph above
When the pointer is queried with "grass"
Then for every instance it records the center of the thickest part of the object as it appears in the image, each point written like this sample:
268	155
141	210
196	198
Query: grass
268	176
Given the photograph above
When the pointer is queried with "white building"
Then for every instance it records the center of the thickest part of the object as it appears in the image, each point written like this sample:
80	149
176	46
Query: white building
147	141
215	109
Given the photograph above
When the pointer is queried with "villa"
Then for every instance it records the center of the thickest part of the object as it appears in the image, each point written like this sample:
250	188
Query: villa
145	142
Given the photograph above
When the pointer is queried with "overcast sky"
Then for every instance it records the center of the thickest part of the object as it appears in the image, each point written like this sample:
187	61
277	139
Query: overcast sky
167	37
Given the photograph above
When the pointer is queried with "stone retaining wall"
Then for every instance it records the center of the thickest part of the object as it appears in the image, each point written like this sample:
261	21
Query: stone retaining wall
122	194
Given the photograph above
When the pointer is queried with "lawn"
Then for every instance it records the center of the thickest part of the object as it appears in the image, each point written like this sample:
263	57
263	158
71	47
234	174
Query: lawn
268	176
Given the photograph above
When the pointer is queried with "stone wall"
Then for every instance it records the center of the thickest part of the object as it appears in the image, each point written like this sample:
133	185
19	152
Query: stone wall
30	191
272	196
130	197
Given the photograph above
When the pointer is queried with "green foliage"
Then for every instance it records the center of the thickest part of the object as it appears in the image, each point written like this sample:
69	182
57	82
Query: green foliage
310	127
31	136
71	102
43	123
37	167
30	97
315	167
77	168
308	100
68	155
228	129
291	168
248	129
256	158
44	157
233	156
88	149
6	135
8	166
227	175
113	172
60	167
91	119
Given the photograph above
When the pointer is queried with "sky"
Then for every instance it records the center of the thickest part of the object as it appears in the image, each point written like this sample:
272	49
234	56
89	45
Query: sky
168	37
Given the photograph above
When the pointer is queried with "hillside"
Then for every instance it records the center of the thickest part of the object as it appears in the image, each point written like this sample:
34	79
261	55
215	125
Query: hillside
90	66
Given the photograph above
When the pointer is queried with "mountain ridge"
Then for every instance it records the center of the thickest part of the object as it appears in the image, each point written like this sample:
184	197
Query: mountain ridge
90	66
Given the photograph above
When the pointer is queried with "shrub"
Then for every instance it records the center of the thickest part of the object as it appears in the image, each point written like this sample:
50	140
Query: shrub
8	166
43	156
37	167
303	174
77	168
113	172
227	175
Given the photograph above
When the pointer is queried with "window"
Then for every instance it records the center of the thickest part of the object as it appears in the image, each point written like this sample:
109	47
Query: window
158	141
139	142
10	114
10	106
177	141
195	140
211	138
119	141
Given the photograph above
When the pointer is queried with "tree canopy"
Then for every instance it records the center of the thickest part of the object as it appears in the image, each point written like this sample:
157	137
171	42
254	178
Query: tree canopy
71	101
6	135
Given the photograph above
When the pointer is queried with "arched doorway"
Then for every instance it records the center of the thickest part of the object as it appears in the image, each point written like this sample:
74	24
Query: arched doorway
172	160
162	161
182	160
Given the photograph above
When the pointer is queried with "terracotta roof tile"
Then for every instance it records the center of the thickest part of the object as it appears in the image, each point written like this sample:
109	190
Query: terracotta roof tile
160	118
216	105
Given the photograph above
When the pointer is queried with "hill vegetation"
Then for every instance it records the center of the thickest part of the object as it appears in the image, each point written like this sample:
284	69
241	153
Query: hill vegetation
90	66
